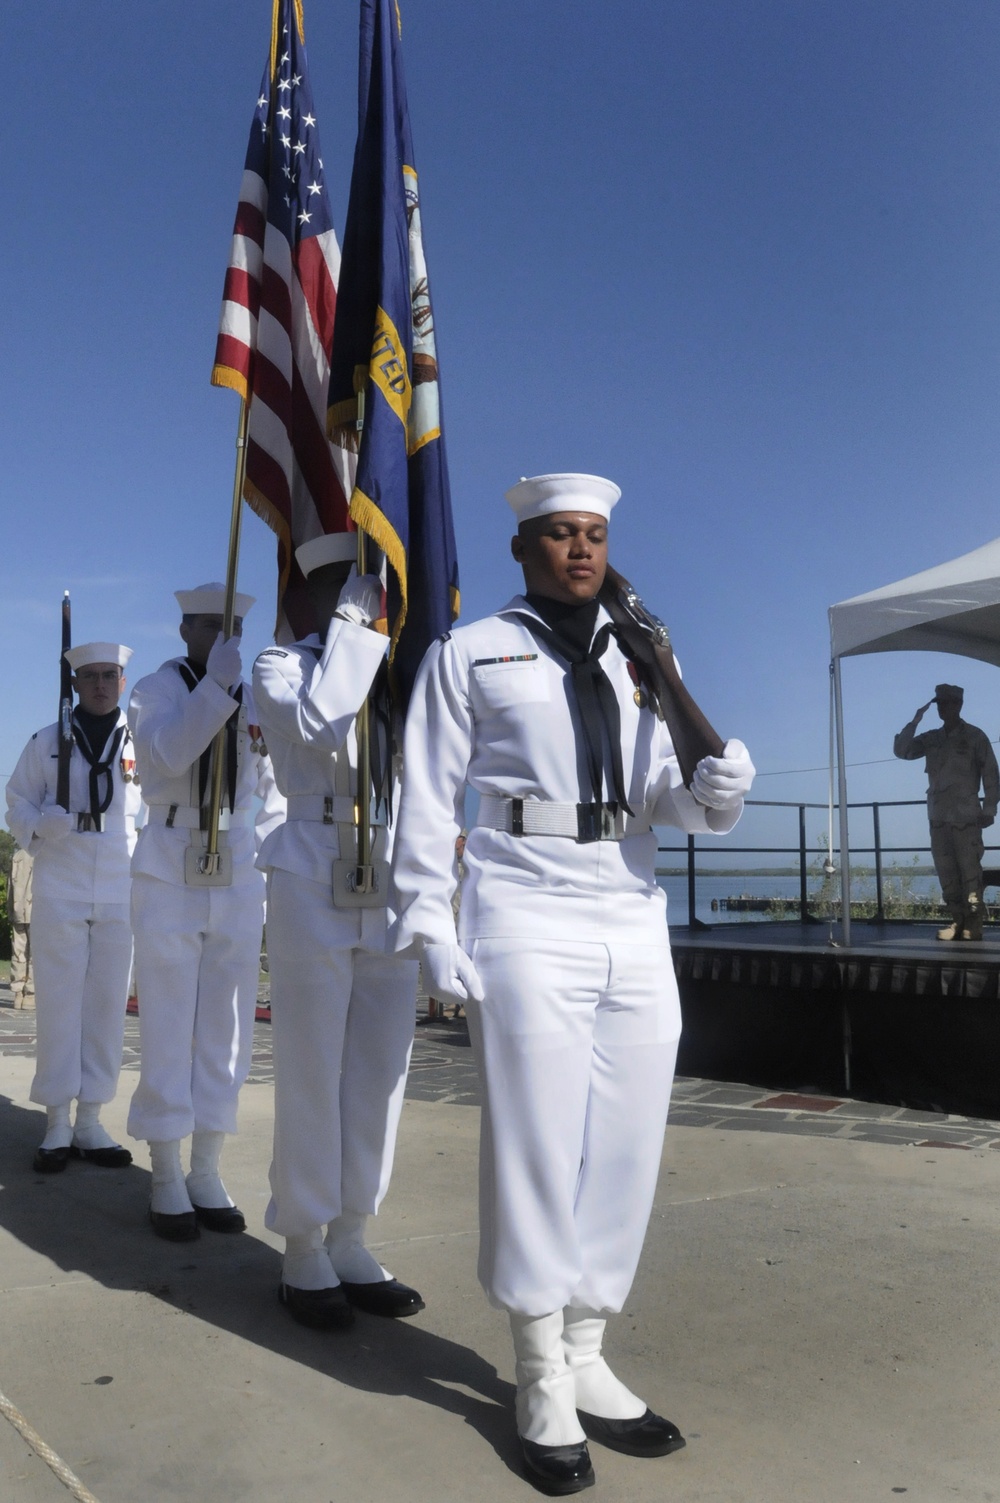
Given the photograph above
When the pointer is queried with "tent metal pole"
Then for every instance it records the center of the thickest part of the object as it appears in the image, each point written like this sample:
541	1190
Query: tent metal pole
845	849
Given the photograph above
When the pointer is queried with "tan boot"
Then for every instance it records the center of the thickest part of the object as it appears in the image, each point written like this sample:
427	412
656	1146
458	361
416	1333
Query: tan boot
953	931
973	928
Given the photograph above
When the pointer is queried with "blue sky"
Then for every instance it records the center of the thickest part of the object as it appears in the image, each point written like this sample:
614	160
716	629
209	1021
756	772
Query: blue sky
739	255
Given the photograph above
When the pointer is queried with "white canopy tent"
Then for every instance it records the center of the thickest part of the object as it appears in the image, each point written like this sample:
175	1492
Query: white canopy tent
954	607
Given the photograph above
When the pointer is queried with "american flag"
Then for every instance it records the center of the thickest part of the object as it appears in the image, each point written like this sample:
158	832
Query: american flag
276	328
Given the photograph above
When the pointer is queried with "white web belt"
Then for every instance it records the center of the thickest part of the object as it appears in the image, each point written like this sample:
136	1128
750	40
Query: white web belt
111	824
583	822
181	817
327	809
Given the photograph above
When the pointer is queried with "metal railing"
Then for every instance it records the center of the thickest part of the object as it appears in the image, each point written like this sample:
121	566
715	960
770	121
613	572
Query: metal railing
804	851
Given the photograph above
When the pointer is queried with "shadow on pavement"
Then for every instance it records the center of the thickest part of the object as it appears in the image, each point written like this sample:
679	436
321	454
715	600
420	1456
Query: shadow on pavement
92	1221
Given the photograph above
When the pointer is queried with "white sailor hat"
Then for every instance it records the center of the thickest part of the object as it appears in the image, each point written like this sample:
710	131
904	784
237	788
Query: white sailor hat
541	495
210	600
97	652
328	548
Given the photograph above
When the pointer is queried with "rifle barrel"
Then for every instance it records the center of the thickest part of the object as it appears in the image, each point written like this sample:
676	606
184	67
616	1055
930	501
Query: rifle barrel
65	708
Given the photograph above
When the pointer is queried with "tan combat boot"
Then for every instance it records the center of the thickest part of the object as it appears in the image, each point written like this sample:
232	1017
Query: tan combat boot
973	928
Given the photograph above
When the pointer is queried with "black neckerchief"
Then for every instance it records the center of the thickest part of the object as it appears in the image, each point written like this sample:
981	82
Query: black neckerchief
568	632
91	732
192	674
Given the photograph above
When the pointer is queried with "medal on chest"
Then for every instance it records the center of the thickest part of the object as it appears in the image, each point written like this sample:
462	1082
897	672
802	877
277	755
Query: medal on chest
639	694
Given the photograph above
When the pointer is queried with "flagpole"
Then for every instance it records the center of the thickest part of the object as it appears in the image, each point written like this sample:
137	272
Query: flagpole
363	875
209	864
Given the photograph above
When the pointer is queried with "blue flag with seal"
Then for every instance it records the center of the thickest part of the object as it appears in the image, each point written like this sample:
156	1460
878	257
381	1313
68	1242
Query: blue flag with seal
385	398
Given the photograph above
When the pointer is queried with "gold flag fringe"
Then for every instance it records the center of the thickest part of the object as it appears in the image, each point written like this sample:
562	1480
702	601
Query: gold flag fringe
342	424
367	516
225	375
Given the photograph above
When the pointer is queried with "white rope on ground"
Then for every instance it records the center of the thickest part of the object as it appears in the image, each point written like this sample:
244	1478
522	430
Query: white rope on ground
54	1462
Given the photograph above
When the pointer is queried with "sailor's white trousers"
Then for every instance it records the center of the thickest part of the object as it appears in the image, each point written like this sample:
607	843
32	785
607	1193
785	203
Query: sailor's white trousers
342	1017
197	965
82	956
576	1044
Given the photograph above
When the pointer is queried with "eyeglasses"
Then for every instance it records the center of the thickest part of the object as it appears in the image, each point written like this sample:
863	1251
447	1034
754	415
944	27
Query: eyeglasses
109	676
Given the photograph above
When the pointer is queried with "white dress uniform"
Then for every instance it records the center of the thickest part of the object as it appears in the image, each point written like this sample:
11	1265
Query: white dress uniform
22	971
343	1010
580	1025
564	957
81	937
197	948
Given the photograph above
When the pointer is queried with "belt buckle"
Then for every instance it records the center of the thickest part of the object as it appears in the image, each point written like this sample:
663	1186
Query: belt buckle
589	823
612	822
597	822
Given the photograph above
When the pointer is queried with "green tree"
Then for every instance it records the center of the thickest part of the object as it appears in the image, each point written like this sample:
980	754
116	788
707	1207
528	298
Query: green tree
8	846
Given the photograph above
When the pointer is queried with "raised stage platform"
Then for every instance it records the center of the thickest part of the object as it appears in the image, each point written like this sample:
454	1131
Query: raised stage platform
899	1016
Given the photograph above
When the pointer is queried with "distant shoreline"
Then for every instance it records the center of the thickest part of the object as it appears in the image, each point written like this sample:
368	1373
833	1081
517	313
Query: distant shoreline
790	871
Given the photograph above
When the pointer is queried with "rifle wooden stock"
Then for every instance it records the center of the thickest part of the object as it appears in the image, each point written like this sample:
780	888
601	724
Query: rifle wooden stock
648	641
65	710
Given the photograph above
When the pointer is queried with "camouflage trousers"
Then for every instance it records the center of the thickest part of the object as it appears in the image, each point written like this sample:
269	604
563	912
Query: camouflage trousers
958	861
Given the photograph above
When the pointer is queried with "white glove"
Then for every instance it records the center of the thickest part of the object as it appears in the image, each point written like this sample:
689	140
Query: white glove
360	599
224	662
55	824
723	782
449	974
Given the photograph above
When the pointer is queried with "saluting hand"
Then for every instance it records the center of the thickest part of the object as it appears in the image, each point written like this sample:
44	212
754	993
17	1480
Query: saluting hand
918	717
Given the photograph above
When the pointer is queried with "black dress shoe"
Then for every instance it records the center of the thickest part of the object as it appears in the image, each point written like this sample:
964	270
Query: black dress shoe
323	1309
649	1435
182	1228
388	1297
557	1470
115	1157
50	1160
221	1218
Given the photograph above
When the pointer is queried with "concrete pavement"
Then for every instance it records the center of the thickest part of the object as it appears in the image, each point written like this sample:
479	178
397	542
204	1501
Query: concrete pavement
817	1308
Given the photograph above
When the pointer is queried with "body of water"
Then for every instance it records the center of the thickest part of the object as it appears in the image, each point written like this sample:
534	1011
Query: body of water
779	885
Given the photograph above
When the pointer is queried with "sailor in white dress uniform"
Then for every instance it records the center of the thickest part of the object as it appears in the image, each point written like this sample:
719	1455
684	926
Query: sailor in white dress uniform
81	937
563	956
343	1010
197	947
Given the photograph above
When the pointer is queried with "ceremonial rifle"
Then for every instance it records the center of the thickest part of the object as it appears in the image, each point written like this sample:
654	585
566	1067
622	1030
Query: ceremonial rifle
648	641
65	710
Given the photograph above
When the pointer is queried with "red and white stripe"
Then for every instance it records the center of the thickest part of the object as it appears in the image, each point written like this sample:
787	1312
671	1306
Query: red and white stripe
275	337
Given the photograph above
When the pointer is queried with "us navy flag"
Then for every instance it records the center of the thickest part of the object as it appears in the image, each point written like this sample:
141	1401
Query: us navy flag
384	394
